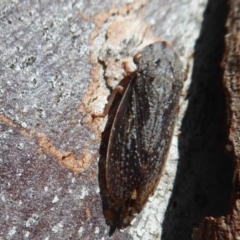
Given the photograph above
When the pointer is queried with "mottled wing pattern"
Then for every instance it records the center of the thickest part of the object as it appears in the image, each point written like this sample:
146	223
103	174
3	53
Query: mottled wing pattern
123	148
142	129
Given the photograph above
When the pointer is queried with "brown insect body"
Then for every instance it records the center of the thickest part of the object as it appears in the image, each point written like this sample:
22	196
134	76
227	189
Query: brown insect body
142	130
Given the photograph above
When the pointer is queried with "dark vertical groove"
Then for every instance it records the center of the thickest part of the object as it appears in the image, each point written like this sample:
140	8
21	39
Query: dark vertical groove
203	182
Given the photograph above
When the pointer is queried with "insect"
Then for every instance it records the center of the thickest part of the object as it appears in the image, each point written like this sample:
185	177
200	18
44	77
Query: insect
141	131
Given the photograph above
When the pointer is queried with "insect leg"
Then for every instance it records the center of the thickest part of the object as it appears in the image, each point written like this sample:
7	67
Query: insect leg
117	89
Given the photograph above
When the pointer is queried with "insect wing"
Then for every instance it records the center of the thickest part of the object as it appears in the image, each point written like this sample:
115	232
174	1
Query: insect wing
120	167
142	130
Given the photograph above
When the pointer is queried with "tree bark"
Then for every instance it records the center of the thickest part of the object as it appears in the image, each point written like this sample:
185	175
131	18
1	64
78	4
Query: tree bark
59	63
227	225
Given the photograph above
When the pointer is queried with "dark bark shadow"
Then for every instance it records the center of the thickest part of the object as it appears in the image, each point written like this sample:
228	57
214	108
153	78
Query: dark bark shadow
203	181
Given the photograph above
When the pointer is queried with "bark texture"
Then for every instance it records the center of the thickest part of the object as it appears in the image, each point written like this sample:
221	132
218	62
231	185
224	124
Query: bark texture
227	225
59	62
